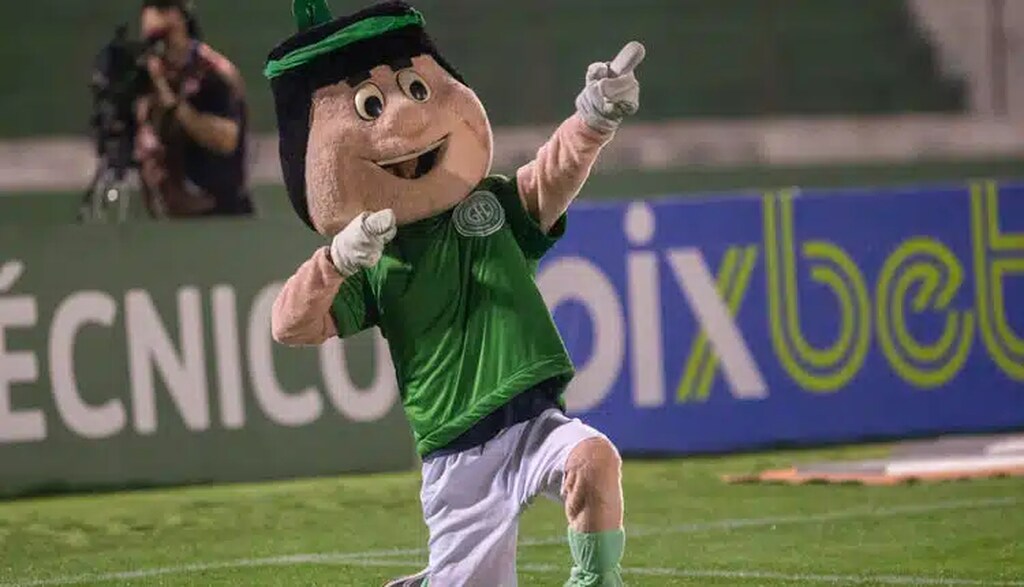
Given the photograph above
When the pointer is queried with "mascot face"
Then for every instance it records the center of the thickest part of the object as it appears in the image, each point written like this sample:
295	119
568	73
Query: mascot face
371	116
408	137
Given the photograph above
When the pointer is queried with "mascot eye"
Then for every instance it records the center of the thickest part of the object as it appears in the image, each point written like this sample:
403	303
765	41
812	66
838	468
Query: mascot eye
369	102
413	85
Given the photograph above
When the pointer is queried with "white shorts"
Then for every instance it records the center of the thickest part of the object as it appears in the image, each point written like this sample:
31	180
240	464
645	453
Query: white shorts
472	499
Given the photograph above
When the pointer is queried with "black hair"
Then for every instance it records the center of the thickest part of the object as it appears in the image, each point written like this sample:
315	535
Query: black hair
187	10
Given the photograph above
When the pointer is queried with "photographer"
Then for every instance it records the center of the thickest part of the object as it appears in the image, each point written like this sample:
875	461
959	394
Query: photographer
192	123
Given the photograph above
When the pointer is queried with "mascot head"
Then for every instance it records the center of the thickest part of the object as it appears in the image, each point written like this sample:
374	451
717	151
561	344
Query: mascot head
371	116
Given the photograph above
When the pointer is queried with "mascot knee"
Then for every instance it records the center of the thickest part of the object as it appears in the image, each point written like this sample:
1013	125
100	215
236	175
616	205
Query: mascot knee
593	486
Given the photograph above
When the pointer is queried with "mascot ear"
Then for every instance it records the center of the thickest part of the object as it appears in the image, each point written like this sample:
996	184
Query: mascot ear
310	13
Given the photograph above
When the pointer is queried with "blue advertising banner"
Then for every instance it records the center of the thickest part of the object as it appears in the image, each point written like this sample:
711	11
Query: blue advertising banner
794	316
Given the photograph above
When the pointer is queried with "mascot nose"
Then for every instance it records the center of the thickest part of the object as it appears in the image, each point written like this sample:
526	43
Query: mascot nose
407	119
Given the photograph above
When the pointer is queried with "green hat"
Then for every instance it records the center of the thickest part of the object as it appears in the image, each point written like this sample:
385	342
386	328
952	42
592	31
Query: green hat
325	52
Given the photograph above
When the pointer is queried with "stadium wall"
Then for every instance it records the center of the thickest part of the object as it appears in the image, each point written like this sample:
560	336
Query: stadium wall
795	317
141	355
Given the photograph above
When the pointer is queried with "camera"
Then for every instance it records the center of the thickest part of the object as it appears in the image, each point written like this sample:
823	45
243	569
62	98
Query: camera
119	77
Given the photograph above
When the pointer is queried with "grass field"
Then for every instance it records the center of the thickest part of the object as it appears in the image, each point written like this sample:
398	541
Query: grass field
685	527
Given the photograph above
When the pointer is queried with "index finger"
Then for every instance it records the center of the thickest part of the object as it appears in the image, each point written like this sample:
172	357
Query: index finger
628	58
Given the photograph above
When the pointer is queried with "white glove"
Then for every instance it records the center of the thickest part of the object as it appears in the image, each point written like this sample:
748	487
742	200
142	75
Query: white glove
611	92
361	243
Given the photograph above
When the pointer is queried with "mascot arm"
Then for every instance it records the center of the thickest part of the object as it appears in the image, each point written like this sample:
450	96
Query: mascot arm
549	183
302	313
302	310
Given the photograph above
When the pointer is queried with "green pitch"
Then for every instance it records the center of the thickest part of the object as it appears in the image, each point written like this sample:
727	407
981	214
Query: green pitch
685	527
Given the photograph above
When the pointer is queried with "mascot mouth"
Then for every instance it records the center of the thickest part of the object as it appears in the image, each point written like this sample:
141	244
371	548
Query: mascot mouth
415	165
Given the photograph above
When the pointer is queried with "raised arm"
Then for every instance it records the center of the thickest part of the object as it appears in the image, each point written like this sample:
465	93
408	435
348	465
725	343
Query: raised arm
302	310
217	127
549	183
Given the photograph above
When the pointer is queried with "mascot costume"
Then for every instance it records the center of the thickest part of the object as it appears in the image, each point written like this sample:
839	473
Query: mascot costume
386	152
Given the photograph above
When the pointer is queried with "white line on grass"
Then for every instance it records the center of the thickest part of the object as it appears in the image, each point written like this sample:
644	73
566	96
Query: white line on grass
719	574
722	574
375	556
851	514
275	561
794	578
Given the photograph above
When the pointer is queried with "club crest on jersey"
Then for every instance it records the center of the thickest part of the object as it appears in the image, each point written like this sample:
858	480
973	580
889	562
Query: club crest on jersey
479	215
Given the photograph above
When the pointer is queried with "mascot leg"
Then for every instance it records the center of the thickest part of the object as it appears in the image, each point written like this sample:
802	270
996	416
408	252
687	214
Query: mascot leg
592	489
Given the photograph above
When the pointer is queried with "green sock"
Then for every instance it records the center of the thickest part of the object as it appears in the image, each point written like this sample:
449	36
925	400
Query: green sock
596	557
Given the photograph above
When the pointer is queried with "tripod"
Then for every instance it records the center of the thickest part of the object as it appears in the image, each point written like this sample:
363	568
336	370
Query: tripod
108	195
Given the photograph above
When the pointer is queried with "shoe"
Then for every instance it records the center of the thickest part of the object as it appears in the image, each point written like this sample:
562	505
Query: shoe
416	580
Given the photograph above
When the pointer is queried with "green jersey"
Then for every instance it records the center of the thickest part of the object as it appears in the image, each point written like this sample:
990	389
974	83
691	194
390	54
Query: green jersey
455	297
